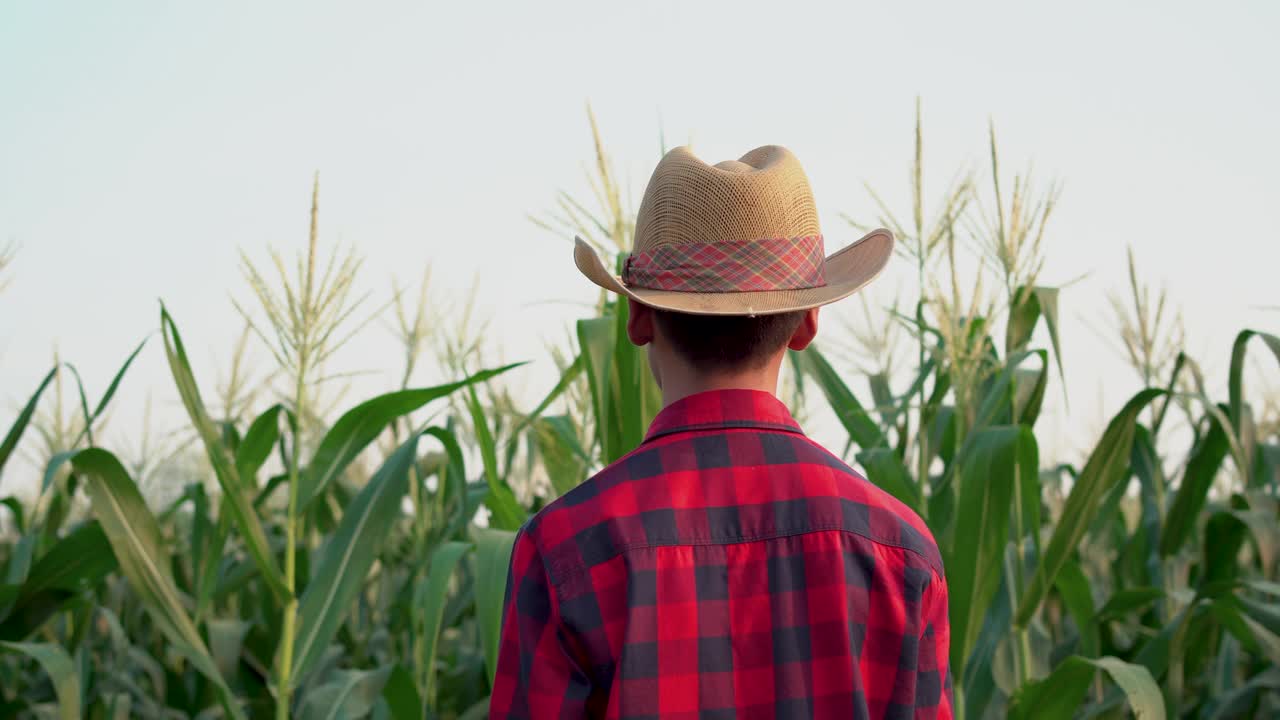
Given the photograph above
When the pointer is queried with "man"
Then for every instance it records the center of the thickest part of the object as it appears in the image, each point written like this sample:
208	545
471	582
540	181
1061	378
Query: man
729	567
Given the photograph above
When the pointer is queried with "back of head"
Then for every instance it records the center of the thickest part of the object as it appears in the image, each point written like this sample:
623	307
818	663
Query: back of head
727	343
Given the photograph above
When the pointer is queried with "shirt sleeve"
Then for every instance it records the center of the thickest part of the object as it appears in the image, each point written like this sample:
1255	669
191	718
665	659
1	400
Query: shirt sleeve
537	675
934	693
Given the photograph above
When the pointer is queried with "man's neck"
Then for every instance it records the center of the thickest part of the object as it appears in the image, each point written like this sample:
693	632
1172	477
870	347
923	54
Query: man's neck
683	384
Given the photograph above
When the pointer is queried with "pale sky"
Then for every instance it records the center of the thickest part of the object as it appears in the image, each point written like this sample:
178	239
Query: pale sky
143	144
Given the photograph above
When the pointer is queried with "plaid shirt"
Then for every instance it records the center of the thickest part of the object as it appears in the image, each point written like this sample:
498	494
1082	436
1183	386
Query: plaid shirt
729	567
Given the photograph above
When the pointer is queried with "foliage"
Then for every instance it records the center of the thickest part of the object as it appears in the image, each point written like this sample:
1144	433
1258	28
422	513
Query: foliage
288	580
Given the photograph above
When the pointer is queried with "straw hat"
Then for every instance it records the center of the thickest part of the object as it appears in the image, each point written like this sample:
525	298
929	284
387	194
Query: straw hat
737	238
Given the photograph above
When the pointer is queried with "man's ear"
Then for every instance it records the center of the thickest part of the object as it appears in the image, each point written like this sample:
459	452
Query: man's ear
639	323
806	331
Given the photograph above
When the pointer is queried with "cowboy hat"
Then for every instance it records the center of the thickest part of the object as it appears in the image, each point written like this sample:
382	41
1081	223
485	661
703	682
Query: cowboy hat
737	238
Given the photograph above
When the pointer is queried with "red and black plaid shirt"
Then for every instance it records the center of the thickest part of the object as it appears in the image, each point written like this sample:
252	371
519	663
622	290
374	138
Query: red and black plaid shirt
729	567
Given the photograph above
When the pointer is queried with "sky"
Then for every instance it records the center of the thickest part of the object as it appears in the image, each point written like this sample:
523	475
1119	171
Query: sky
143	146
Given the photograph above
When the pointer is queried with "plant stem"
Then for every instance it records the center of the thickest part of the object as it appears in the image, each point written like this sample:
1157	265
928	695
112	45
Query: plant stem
285	685
286	680
922	444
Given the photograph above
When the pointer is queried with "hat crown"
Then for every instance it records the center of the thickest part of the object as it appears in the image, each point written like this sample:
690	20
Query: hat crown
764	194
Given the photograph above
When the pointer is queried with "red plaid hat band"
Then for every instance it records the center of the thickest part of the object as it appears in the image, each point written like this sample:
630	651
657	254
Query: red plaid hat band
730	266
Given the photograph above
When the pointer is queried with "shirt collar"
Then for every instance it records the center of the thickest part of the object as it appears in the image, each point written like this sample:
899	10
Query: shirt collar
717	409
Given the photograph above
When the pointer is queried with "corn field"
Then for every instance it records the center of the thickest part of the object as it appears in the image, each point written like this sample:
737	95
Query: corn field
320	563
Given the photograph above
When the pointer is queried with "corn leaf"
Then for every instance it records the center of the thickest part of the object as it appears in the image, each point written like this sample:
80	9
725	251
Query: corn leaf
24	418
1202	468
57	664
77	562
453	480
90	418
256	446
1059	695
226	640
429	602
1073	587
861	428
1235	378
506	513
401	695
224	467
1108	464
360	425
351	694
19	516
347	555
135	537
562	455
885	469
596	339
493	561
992	463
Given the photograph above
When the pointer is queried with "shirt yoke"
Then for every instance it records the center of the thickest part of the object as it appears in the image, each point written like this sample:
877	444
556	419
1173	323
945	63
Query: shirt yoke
718	487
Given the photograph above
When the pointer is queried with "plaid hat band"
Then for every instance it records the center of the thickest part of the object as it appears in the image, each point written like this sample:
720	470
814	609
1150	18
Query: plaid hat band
794	263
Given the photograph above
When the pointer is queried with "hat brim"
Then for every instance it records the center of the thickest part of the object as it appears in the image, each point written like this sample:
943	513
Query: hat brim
847	271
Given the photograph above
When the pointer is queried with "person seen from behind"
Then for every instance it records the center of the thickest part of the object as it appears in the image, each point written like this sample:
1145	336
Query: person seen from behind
728	567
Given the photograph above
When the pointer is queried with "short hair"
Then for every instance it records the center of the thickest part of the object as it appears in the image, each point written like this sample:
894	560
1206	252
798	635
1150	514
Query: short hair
727	342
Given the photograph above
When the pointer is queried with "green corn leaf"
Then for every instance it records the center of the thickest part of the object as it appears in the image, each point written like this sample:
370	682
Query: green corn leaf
453	479
24	418
233	488
429	602
1242	622
1242	701
1151	487
1024	311
978	675
861	428
561	454
638	399
991	465
226	640
627	380
493	560
999	404
567	378
51	470
351	694
256	446
1048	297
596	339
19	561
84	405
57	664
1235	379
1203	466
1224	535
885	469
348	553
1073	586
401	695
1108	464
110	393
1029	389
506	513
136	539
362	424
19	516
1128	600
77	562
1059	695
